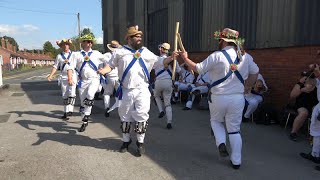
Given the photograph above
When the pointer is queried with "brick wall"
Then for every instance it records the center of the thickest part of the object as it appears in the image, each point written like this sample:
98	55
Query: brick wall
280	67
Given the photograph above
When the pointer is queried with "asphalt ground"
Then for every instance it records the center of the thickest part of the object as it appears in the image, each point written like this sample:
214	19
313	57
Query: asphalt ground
36	144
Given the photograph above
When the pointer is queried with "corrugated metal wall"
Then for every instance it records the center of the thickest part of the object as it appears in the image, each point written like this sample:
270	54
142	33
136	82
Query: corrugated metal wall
263	23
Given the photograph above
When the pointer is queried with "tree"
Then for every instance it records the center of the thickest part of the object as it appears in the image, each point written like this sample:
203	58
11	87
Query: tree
86	31
12	41
49	49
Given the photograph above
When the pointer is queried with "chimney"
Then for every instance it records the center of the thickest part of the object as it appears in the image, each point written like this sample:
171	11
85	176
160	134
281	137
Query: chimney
3	43
32	52
14	48
7	44
38	52
25	51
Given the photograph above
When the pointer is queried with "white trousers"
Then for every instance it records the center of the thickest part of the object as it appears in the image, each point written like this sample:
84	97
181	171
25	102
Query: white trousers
67	91
87	91
254	101
163	88
228	109
108	90
181	86
134	107
315	123
202	89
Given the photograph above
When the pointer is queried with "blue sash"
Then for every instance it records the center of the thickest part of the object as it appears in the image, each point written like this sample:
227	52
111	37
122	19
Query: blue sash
64	58
201	77
236	72
92	65
135	58
163	70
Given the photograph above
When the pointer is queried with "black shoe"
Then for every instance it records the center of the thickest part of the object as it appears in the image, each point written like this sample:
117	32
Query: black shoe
169	126
83	127
65	116
234	166
69	113
310	157
161	114
106	114
293	136
223	150
317	168
125	146
140	150
186	108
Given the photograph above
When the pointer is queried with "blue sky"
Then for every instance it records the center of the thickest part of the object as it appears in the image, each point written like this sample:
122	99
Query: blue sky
32	29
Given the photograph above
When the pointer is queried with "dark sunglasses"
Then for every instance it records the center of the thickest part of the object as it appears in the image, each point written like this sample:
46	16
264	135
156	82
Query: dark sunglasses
87	41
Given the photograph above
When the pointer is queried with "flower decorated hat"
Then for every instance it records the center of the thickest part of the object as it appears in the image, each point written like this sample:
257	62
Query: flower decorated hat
132	31
229	35
113	45
63	41
87	37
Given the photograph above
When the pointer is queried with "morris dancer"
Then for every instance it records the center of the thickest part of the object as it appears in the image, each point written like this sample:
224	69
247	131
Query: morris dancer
227	70
163	85
112	78
134	64
63	62
87	62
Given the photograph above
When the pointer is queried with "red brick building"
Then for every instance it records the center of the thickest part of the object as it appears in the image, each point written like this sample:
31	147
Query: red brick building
12	59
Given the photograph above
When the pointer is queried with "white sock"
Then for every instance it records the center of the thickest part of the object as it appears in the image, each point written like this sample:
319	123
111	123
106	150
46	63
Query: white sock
219	132
236	147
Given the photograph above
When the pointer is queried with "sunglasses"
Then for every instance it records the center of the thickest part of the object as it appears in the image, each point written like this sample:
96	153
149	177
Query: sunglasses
87	41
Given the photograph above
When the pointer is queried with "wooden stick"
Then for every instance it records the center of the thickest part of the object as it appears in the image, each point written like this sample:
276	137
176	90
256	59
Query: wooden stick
180	43
175	47
182	47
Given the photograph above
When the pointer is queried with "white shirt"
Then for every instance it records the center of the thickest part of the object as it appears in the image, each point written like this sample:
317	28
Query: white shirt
187	76
114	73
203	77
318	89
136	77
165	74
88	71
218	66
59	64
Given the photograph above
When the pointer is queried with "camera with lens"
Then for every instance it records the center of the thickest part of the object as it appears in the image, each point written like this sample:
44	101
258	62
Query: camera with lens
309	74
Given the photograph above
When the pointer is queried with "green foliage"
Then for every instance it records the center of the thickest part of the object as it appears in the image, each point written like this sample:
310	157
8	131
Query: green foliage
12	41
86	31
49	49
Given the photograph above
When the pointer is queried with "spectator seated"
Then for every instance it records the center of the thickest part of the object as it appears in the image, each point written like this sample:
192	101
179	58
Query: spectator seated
254	98
200	87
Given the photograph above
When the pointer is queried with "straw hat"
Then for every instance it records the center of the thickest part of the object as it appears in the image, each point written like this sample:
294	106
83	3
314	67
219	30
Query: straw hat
133	30
228	35
87	37
63	41
165	46
113	45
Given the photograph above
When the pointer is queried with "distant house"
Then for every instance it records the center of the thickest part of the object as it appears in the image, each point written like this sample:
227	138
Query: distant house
13	59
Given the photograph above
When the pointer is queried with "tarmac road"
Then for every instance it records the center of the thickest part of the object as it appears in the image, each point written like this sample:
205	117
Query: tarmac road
36	144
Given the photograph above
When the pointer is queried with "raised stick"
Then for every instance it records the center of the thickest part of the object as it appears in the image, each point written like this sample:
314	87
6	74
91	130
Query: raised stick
175	47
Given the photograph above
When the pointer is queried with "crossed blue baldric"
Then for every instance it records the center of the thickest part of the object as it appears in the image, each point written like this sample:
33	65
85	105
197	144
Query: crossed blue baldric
92	65
119	92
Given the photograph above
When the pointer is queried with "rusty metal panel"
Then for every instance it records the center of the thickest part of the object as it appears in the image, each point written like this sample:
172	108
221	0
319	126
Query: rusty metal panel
156	5
213	20
193	24
157	28
175	14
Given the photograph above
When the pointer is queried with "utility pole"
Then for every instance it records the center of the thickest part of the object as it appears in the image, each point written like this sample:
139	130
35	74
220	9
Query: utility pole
78	15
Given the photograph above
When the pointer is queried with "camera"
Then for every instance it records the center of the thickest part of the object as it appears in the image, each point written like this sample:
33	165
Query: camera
309	74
